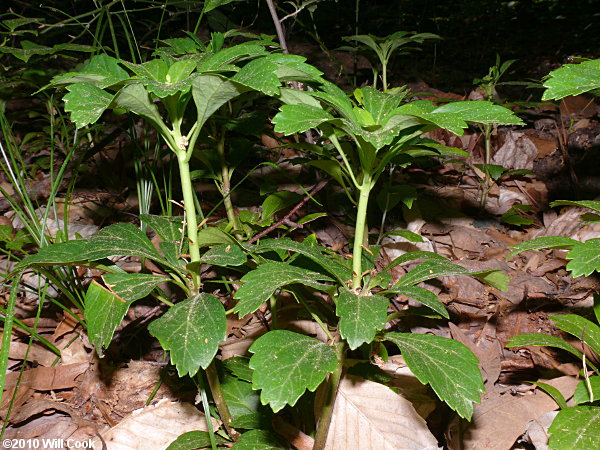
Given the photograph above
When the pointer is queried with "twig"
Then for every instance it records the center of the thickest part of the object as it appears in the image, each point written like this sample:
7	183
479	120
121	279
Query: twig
286	218
278	26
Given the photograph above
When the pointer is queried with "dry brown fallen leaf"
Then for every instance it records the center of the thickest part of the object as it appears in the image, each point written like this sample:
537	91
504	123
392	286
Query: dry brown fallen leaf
154	426
48	378
501	418
370	416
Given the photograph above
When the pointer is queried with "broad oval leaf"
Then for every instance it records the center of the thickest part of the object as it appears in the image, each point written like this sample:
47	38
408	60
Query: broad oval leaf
192	330
121	239
445	364
224	255
135	98
361	316
210	92
104	311
260	440
575	428
286	364
582	394
262	282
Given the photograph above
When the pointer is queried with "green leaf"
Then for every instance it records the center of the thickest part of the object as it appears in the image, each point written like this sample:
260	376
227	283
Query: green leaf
442	268
121	239
29	49
262	282
299	118
167	228
390	196
239	367
552	392
107	67
330	264
209	5
380	104
192	330
572	79
207	237
193	440
224	255
241	398
278	201
480	112
585	258
223	59
591	204
545	340
422	295
210	92
575	428
86	103
260	440
361	316
103	313
406	234
259	75
582	394
581	328
132	286
135	98
294	68
286	364
447	365
542	242
58	254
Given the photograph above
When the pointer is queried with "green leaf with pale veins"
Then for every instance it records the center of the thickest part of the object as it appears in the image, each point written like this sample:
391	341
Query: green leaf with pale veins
286	364
134	98
193	440
210	92
330	264
583	329
585	258
572	79
86	103
224	255
575	428
298	118
103	313
167	228
241	399
442	268
121	239
541	243
448	366
192	330
259	75
132	286
58	254
260	440
423	296
262	282
361	316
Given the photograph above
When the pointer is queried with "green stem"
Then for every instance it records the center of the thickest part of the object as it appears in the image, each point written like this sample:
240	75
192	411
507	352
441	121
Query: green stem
215	388
360	236
190	212
329	403
226	182
487	133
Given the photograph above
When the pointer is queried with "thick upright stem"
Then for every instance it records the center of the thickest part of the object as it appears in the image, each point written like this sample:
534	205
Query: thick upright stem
190	212
217	393
327	410
361	233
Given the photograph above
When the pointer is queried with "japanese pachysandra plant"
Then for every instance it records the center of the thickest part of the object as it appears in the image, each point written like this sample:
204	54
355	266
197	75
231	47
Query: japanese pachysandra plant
177	92
360	137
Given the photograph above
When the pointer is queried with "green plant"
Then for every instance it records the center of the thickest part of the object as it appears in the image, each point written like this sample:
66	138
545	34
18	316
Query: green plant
380	50
575	427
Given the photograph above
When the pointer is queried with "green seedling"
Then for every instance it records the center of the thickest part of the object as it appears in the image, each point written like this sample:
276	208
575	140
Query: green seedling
380	50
